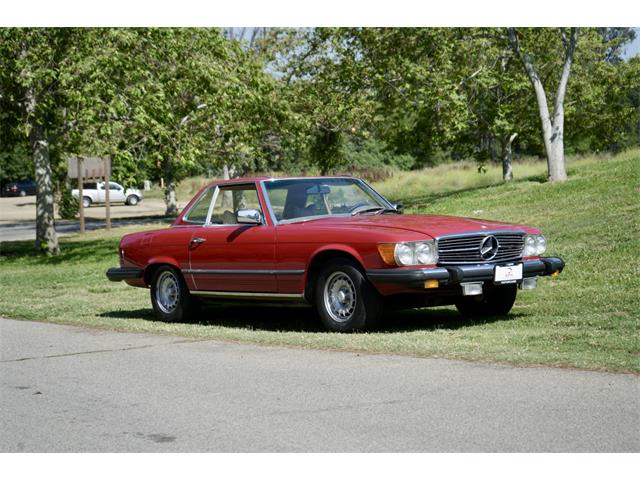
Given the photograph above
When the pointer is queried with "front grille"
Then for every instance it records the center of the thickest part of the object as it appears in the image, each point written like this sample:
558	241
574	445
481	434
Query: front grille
466	248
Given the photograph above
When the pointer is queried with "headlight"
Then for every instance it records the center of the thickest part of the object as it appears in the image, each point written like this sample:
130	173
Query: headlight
403	254
534	245
426	253
409	253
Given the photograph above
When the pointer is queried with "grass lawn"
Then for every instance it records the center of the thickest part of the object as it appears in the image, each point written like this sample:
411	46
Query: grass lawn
589	317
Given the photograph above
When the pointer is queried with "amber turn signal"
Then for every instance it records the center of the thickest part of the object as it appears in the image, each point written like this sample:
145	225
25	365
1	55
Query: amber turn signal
556	273
432	283
386	251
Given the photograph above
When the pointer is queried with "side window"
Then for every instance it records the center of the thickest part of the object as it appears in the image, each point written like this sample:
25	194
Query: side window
200	209
89	186
114	186
231	199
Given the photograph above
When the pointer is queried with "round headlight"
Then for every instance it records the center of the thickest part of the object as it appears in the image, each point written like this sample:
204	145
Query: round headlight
529	246
403	254
541	244
425	253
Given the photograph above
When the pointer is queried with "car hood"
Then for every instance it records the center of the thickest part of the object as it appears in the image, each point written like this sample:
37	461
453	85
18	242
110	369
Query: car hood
432	225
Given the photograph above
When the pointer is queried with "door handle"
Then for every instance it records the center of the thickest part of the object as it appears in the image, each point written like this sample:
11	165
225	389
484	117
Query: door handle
198	241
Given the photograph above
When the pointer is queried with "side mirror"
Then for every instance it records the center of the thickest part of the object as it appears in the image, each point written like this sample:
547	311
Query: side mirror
249	216
399	207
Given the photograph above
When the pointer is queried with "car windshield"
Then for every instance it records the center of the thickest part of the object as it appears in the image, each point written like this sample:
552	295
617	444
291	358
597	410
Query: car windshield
294	199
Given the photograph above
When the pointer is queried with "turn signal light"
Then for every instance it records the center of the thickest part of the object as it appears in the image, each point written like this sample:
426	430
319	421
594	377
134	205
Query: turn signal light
386	251
556	273
432	283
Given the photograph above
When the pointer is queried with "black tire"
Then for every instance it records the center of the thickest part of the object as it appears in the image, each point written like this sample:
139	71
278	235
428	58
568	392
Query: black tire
169	309
362	303
132	200
86	202
495	301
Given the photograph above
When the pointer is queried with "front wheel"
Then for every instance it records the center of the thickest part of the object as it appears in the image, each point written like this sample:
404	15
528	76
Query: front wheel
170	296
86	202
345	299
495	301
132	200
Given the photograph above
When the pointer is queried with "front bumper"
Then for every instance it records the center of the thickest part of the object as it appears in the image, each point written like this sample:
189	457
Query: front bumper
124	273
456	274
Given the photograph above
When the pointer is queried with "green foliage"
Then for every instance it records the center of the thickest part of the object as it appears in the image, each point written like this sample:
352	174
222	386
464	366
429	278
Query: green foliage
172	102
15	163
68	206
374	153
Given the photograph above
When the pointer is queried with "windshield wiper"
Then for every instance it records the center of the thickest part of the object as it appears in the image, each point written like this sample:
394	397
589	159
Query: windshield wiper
377	210
387	210
366	208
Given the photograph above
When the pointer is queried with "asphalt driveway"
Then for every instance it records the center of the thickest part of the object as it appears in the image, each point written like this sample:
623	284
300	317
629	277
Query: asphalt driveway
68	389
17	217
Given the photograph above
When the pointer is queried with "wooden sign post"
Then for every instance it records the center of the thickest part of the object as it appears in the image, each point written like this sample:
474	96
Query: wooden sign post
80	195
107	190
91	167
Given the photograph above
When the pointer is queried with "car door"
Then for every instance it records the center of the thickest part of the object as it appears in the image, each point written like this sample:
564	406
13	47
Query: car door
226	256
116	192
100	197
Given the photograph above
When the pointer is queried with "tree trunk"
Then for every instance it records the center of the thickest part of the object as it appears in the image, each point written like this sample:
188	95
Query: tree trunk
507	169
552	128
169	189
46	236
228	172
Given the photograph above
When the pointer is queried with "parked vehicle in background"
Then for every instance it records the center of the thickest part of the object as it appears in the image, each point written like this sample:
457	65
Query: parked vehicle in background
20	188
333	242
94	192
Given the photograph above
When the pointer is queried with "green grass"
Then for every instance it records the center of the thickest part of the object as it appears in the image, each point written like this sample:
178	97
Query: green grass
586	318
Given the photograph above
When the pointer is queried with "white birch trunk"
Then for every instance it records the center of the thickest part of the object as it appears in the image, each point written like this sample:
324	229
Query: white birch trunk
507	167
552	126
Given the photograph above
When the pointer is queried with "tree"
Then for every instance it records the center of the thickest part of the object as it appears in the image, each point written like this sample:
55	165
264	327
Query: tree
35	78
552	121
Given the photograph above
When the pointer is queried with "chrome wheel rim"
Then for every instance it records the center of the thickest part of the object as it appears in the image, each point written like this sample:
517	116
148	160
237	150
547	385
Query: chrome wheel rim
340	297
167	292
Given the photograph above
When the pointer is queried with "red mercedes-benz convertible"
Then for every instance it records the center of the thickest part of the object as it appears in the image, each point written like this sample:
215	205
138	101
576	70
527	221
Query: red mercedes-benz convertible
333	242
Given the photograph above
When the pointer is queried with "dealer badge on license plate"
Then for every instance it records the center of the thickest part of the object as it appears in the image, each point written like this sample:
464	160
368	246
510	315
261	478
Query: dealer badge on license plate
508	273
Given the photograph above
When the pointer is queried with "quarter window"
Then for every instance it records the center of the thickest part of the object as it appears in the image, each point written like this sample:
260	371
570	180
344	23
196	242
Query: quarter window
199	211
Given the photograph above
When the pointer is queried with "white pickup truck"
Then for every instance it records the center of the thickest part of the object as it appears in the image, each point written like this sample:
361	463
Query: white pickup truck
93	192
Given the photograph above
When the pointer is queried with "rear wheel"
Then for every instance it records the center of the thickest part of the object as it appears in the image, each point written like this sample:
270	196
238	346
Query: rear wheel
132	200
86	202
345	299
23	193
170	296
497	300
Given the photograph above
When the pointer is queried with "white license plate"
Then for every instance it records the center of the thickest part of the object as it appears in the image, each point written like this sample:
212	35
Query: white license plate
508	274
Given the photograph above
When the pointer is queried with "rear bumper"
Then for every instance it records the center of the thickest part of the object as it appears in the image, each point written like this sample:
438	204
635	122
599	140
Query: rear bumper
124	273
455	274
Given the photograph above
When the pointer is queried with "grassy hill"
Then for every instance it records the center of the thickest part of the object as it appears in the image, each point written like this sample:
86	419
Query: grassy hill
586	318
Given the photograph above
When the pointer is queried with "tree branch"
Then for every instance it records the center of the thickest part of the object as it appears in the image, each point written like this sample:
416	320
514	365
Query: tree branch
570	46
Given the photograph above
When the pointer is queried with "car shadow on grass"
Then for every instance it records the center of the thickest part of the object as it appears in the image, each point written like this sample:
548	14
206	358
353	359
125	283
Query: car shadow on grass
304	319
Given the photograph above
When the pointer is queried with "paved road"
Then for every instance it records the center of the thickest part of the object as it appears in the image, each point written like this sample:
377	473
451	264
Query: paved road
71	389
17	217
10	232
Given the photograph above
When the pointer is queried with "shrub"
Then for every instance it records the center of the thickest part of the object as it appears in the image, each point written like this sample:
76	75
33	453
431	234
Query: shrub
68	207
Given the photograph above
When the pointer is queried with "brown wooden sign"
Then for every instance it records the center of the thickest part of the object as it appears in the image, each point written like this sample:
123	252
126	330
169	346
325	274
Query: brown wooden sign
83	168
90	167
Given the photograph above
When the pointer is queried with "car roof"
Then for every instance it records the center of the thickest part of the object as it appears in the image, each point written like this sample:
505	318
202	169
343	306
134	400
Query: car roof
273	179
